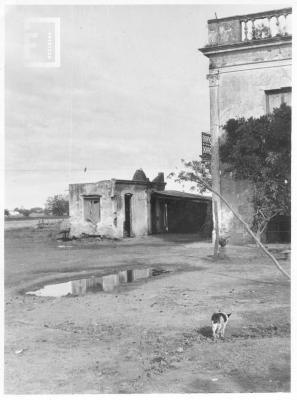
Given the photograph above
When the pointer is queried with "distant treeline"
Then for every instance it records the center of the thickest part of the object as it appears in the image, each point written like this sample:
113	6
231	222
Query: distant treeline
22	218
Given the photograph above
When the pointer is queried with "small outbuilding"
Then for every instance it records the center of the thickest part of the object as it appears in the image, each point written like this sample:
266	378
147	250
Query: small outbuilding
119	208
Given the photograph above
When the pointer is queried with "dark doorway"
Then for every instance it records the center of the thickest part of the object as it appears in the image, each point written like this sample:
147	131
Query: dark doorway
185	216
128	215
153	215
166	217
130	275
279	230
159	216
177	215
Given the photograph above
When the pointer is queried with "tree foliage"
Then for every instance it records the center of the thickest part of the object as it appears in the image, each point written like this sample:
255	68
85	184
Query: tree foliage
259	149
36	210
57	205
24	211
193	171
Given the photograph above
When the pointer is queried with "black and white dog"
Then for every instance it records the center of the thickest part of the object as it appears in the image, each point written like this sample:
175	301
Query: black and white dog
219	321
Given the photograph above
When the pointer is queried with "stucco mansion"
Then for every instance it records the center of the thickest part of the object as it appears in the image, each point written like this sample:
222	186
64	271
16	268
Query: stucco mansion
250	61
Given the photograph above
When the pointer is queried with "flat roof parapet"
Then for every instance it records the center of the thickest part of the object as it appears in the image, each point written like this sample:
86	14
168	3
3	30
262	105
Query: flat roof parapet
250	27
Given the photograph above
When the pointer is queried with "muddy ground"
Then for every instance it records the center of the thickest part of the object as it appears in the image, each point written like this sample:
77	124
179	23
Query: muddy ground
147	336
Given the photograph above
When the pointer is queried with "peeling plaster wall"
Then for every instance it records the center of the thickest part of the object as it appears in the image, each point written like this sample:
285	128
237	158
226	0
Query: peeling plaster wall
252	55
228	31
112	208
239	194
140	208
242	91
105	226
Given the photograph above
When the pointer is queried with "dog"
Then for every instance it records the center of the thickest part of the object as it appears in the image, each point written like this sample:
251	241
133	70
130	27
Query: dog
219	321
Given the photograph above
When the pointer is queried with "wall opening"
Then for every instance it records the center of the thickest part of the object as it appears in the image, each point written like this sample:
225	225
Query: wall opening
92	209
279	230
153	216
178	215
276	97
185	216
128	216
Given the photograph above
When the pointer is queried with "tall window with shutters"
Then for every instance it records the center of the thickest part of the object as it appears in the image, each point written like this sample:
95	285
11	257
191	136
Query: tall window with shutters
92	209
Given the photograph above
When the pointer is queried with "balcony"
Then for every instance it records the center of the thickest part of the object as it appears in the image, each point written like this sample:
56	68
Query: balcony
251	28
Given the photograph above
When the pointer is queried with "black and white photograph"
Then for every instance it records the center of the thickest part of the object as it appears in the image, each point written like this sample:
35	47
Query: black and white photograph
147	197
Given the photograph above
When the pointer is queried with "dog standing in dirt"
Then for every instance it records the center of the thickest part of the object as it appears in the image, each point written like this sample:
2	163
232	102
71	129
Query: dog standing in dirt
219	321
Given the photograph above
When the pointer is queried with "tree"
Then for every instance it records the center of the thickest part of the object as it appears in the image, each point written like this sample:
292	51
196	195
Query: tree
196	172
24	211
193	171
6	212
36	210
259	150
57	205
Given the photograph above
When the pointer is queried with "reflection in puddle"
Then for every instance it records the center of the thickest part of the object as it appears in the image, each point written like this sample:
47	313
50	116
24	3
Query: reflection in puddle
94	284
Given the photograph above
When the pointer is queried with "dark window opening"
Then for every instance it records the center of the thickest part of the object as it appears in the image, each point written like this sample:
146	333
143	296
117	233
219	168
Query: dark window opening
276	97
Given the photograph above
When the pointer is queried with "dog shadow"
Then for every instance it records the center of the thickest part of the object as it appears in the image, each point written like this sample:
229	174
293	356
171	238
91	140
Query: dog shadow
205	331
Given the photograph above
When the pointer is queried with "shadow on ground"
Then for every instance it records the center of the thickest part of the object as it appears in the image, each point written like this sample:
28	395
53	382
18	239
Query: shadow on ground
182	238
205	331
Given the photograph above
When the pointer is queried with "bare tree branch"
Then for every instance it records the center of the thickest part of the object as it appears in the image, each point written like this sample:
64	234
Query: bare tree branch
251	233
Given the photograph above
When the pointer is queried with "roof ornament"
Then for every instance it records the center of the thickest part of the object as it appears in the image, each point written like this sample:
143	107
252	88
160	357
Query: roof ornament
139	175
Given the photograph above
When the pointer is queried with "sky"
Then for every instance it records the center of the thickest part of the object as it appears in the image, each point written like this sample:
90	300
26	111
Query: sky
130	92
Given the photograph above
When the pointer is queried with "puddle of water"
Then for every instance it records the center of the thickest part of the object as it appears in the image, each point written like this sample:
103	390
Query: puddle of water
107	283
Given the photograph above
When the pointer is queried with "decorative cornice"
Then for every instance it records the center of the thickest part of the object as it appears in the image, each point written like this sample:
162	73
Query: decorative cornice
226	48
254	65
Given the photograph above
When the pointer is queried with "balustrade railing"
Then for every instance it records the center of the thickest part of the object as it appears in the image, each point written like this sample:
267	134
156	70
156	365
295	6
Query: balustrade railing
272	25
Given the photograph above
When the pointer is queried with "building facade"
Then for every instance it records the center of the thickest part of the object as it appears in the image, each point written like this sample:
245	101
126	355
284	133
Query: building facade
126	208
250	58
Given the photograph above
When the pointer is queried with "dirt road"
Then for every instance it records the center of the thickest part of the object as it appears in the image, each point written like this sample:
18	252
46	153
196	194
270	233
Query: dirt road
147	336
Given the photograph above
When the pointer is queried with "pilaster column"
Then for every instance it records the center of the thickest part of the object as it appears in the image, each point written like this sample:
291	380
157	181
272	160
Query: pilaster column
214	80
